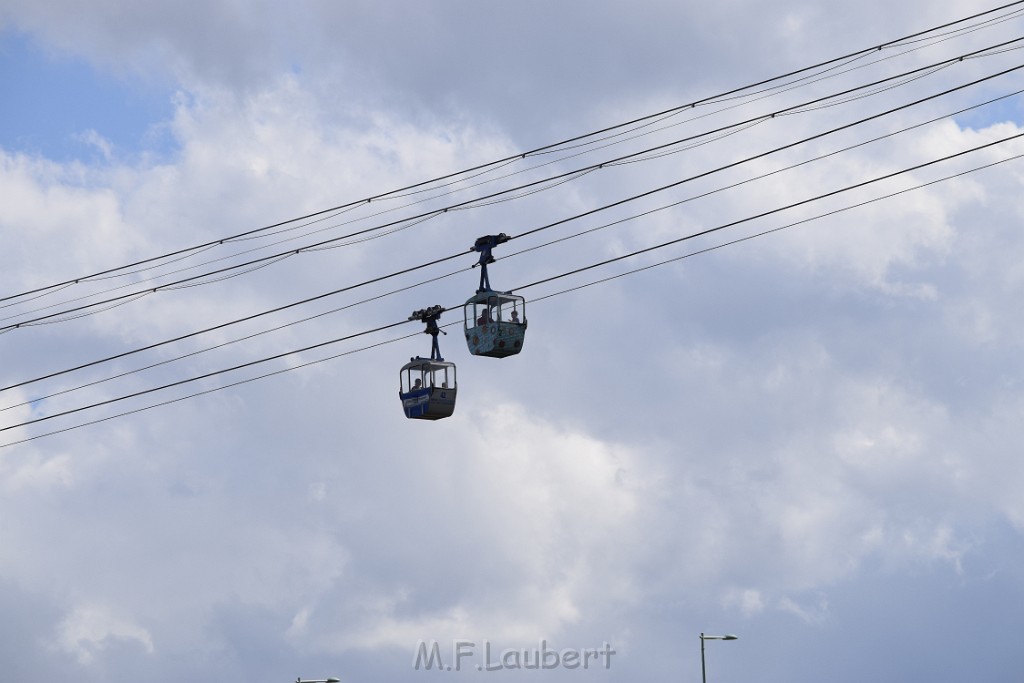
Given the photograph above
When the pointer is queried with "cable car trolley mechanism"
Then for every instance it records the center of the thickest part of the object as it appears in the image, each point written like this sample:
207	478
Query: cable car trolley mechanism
495	322
427	386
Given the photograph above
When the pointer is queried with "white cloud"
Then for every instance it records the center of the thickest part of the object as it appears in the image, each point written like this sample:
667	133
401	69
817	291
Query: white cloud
811	614
748	601
101	144
540	515
37	472
89	629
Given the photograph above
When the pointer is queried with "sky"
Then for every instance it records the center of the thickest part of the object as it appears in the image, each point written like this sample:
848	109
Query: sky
809	438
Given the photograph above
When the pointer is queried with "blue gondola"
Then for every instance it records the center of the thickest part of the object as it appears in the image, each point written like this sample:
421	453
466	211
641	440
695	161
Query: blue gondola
428	386
494	322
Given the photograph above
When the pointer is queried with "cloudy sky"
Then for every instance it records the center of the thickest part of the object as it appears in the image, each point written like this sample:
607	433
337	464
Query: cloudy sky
810	439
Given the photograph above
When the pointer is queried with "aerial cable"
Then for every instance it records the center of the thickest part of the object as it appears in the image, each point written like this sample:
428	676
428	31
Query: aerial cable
544	227
517	253
522	251
55	290
366	238
311	221
227	240
67	316
997	52
686	148
215	389
575	271
425	216
247	337
128	298
988	23
750	98
548	296
37	296
771	92
934	40
765	154
482	201
815	78
354	240
823	75
770	212
232	322
533	152
758	177
99	278
780	228
650	266
846	57
880	89
479	200
207	375
260	264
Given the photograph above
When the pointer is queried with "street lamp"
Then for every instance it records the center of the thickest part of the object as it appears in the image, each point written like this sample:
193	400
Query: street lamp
317	680
703	673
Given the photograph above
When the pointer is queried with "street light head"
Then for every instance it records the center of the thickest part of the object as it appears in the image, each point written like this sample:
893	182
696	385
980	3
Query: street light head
730	637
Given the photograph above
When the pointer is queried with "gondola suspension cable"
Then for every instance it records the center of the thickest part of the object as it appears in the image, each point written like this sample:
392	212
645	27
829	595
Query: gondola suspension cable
522	251
769	92
759	176
804	202
532	152
575	271
207	375
229	323
215	389
769	152
988	23
544	227
750	98
780	228
181	284
247	337
478	200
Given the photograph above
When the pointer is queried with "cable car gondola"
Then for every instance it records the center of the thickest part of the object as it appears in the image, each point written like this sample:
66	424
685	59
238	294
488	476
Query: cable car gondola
427	386
495	322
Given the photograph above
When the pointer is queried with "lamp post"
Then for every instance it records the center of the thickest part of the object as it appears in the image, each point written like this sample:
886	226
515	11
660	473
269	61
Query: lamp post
703	672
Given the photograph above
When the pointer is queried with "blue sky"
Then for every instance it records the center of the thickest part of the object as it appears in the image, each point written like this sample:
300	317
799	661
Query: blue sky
810	439
1009	110
62	97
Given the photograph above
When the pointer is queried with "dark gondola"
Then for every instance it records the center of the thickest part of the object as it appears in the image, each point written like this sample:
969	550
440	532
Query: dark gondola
428	386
